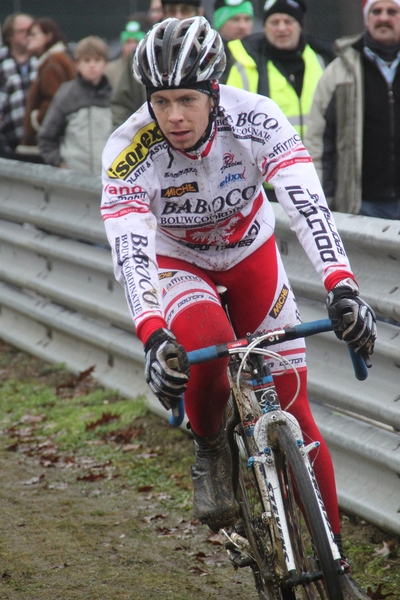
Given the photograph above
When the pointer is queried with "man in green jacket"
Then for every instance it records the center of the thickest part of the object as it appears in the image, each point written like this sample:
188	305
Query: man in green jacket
281	62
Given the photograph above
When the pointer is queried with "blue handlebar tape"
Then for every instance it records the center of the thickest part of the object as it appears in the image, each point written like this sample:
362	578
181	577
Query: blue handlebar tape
298	331
359	366
307	329
177	420
203	355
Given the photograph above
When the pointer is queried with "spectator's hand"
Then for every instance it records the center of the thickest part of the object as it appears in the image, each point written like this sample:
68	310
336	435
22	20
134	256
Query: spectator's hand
353	319
166	367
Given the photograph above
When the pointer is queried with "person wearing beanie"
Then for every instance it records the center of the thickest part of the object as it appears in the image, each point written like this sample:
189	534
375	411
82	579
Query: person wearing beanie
129	94
233	19
182	10
281	62
354	130
129	39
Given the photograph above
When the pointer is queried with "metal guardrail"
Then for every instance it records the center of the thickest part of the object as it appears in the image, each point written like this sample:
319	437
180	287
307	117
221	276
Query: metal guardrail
59	301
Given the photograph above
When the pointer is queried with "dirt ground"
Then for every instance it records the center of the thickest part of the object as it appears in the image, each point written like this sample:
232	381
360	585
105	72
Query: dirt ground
98	540
105	513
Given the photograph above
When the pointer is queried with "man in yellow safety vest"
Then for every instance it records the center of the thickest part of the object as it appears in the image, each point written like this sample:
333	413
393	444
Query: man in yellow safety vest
281	62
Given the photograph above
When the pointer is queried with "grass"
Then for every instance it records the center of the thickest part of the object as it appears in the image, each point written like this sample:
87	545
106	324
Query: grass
102	443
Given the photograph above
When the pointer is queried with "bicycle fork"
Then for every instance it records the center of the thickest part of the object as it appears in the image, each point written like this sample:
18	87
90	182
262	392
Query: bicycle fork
262	435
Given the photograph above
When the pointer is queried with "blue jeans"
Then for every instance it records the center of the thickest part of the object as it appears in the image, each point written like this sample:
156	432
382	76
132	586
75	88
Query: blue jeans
383	209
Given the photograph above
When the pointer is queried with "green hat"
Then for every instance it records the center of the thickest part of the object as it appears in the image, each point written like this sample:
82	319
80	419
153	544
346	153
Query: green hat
226	9
132	31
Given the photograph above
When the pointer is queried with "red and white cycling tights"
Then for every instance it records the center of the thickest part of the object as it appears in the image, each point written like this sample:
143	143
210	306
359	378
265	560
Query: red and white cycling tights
259	298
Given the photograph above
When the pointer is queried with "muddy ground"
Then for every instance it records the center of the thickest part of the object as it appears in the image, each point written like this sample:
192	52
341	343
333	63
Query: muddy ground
106	514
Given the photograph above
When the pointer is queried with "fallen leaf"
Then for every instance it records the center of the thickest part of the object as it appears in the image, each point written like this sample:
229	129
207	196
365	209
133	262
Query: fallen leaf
91	477
130	447
31	419
389	548
145	488
378	594
34	480
154	518
104	420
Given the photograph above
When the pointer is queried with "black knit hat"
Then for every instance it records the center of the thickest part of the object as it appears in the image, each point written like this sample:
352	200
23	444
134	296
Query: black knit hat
294	8
191	2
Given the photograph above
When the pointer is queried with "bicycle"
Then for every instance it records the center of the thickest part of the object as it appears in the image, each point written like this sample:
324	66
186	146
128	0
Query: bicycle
283	533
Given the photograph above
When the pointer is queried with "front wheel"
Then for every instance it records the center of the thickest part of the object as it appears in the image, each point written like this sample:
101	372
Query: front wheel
307	530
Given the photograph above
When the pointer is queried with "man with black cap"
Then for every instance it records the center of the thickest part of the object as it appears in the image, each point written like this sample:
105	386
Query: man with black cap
281	62
129	95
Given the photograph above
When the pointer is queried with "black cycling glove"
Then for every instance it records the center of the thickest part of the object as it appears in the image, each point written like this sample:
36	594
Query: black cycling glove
353	319
166	367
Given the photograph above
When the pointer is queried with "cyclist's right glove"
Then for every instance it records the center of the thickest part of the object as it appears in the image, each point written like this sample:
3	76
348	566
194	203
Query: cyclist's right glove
353	319
166	367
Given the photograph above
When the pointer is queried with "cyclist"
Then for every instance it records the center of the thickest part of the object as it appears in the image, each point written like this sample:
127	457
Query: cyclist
185	210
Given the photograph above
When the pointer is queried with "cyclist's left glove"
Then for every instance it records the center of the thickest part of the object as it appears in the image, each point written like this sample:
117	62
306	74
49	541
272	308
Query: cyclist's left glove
353	319
166	367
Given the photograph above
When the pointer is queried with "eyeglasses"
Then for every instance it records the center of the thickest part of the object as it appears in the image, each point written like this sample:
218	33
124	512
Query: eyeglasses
171	10
391	12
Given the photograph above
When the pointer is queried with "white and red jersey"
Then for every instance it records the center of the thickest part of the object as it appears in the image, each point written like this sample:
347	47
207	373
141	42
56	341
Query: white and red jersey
209	207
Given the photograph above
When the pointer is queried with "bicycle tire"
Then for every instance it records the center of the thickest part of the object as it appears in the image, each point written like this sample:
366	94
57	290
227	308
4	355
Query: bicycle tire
294	475
250	504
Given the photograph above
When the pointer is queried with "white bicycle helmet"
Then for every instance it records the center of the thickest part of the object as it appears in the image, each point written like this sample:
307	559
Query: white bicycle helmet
179	53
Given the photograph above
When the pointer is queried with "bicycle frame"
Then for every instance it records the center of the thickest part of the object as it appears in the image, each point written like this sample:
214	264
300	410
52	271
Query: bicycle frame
262	394
260	413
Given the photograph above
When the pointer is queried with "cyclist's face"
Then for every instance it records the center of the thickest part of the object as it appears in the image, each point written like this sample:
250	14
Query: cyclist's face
182	115
383	22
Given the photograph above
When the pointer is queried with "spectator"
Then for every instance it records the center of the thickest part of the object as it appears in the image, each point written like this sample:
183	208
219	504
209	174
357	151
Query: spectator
281	62
130	38
78	123
233	19
17	71
182	10
48	44
354	135
129	95
156	11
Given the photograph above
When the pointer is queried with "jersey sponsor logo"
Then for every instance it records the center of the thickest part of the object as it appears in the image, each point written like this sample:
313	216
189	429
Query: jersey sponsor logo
167	275
125	211
312	213
181	172
282	147
256	119
280	303
229	162
136	153
284	164
221	206
141	291
176	192
232	177
123	190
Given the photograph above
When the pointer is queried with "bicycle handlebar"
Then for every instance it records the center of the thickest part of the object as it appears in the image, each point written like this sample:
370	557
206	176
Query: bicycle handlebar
282	335
291	333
